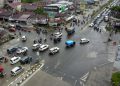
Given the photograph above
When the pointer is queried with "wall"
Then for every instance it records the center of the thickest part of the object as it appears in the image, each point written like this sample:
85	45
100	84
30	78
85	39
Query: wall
2	3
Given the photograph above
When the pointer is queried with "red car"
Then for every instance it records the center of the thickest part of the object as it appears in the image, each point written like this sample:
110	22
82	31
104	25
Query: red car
12	29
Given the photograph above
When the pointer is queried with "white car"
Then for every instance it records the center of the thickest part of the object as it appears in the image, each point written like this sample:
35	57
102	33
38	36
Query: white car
43	47
15	60
36	46
91	24
16	70
98	16
58	34
24	38
22	50
54	50
84	40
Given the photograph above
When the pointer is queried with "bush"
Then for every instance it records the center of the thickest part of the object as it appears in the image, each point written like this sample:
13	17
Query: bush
40	11
116	79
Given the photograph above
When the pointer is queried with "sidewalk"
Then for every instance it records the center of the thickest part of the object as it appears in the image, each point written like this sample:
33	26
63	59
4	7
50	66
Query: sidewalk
43	79
100	76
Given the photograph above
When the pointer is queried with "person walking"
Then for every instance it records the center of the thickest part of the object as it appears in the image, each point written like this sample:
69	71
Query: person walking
20	33
45	40
100	30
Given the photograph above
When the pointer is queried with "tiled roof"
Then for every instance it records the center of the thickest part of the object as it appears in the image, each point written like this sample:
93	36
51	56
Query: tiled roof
14	5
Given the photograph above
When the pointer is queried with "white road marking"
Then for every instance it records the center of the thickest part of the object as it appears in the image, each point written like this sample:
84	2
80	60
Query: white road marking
81	83
84	77
58	63
75	82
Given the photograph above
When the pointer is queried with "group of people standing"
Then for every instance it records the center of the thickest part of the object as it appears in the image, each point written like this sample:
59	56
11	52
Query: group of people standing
97	29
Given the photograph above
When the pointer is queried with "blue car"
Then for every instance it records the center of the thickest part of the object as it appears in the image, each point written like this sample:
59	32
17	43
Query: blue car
70	43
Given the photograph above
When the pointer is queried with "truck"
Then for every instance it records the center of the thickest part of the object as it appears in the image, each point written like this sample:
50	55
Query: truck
70	30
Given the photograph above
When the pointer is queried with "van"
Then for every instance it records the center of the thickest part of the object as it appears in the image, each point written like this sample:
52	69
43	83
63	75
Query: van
26	60
16	70
11	50
15	60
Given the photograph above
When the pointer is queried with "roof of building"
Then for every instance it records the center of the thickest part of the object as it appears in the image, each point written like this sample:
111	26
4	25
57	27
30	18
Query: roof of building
5	13
58	5
14	5
29	6
24	16
65	2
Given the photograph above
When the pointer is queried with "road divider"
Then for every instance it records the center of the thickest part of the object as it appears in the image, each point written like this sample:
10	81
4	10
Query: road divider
18	81
84	78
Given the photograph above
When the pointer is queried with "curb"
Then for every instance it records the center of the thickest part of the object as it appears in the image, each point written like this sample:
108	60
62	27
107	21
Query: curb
26	74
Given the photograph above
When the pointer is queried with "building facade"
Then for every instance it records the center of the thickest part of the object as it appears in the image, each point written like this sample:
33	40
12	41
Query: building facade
2	3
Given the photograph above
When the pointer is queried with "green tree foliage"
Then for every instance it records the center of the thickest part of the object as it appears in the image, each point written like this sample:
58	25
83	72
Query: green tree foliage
40	11
29	1
115	8
115	11
116	79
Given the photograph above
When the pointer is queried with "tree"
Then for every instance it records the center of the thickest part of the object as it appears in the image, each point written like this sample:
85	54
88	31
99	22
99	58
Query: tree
29	1
115	11
40	11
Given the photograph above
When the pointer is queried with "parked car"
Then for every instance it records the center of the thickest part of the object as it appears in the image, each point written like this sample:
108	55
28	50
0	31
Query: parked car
54	50
57	39
70	43
91	24
58	34
14	60
12	49
26	60
99	15
17	70
43	47
22	50
1	58
12	29
36	46
84	41
24	38
2	72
